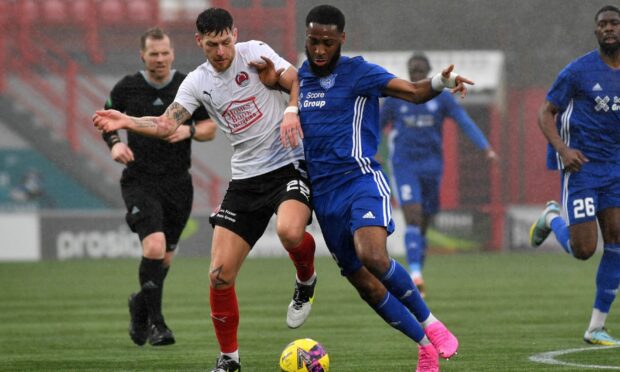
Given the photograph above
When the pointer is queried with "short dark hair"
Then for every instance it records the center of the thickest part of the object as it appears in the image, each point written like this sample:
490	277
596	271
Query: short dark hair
419	56
326	15
214	20
154	33
606	8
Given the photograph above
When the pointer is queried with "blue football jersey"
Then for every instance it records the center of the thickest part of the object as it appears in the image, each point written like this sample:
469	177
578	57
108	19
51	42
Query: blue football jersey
587	92
339	115
415	141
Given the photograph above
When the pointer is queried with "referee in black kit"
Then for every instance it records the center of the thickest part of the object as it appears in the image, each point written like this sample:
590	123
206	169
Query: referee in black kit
156	184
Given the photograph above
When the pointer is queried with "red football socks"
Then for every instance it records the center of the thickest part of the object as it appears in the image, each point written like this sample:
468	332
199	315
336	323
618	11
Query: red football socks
303	257
225	317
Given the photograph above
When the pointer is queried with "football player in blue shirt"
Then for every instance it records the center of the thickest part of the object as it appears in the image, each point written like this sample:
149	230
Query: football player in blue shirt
339	114
581	120
416	156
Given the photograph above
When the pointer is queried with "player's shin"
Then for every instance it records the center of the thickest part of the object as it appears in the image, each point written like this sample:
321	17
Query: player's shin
607	277
225	317
396	315
562	235
414	249
397	281
303	257
151	278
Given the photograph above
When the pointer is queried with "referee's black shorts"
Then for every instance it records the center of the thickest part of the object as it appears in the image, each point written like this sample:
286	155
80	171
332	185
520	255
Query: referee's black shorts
249	203
162	205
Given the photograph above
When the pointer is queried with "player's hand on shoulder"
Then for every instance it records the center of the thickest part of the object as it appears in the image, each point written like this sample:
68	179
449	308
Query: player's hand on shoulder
267	72
121	153
108	120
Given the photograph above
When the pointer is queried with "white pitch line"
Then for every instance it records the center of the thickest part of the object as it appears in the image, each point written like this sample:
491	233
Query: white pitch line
549	357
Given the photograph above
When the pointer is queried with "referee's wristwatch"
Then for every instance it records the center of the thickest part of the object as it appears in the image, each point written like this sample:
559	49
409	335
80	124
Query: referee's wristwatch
192	131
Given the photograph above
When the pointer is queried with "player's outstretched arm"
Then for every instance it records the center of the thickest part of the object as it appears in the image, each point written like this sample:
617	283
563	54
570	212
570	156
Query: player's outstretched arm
203	131
426	89
152	126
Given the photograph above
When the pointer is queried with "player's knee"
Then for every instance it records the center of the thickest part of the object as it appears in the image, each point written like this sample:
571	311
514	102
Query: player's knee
220	279
611	234
290	237
413	214
370	291
376	262
168	258
154	246
583	251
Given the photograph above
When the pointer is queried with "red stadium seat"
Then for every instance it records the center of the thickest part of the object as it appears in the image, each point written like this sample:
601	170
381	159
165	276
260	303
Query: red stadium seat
112	11
80	10
141	11
54	11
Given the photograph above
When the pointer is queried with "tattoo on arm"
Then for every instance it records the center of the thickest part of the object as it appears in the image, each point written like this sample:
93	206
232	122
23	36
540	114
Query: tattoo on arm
145	122
164	125
218	281
177	113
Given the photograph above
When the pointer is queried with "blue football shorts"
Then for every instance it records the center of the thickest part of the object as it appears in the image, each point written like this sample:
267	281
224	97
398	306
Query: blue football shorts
364	201
418	189
594	188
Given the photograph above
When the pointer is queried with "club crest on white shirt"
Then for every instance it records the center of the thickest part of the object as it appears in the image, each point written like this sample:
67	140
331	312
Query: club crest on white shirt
242	79
328	81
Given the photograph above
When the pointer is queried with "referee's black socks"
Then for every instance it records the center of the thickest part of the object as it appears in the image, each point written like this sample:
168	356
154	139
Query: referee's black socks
152	273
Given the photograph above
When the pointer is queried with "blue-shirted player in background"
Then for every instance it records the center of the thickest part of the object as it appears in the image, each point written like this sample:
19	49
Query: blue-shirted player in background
581	120
416	157
339	114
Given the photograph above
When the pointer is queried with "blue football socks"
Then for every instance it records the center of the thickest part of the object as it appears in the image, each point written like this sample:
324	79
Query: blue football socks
607	277
396	314
414	248
562	235
398	282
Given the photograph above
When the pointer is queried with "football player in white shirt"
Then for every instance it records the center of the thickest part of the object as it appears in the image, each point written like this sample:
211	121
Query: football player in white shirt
236	85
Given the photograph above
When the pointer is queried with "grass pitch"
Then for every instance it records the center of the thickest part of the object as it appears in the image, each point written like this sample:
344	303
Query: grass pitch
504	308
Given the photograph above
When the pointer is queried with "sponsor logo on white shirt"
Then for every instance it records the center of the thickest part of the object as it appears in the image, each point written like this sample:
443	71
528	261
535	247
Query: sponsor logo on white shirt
241	114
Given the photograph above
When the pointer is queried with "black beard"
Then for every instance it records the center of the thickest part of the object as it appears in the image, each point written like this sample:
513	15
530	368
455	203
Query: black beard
322	71
610	49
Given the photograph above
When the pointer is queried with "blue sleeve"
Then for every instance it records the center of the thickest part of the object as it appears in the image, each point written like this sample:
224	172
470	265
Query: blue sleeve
562	90
371	79
386	115
458	113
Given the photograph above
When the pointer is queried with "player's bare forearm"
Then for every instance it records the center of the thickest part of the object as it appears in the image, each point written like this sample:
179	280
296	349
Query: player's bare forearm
415	92
290	129
160	126
294	91
289	82
205	130
546	123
